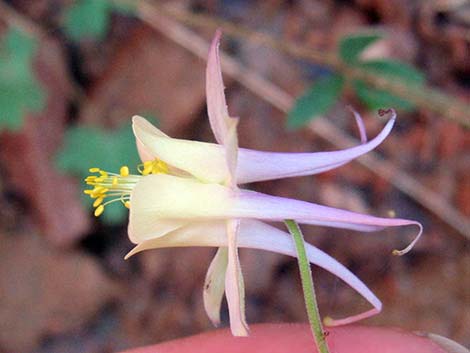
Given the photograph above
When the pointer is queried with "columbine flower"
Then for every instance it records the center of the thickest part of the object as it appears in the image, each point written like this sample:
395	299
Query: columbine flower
187	195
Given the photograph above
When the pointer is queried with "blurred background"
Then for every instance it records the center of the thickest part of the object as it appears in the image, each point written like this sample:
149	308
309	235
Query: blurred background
72	73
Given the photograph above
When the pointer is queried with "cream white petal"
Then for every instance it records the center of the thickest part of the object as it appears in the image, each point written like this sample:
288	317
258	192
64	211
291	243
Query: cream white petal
216	104
161	203
231	153
164	197
234	288
205	161
223	126
258	235
144	153
142	228
214	285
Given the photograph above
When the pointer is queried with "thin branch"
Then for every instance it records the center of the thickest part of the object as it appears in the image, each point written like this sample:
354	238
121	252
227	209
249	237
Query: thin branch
283	101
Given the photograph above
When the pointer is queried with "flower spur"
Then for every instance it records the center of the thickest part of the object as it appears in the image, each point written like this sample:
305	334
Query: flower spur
187	194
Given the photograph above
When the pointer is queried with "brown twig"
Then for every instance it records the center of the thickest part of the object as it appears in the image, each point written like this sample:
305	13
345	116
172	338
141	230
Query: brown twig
424	97
321	127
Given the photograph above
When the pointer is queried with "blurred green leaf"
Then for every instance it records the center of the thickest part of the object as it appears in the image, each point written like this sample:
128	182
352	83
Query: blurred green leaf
392	70
315	101
87	147
125	8
20	92
87	19
352	45
376	99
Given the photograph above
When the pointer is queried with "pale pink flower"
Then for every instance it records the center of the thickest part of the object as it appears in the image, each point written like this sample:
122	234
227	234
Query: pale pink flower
189	196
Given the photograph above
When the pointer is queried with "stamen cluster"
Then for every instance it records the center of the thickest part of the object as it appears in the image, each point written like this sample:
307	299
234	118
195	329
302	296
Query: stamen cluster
118	187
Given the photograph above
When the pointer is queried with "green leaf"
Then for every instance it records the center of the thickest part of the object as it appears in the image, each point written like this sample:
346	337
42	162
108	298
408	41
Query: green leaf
376	99
126	8
315	101
87	19
22	45
392	70
352	45
20	92
87	147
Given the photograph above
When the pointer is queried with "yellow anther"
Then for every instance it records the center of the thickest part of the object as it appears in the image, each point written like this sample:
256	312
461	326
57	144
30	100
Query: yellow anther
147	169
163	167
124	171
155	169
99	210
98	202
99	191
117	187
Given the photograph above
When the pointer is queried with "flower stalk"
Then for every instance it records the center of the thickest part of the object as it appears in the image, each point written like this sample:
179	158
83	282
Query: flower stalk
308	287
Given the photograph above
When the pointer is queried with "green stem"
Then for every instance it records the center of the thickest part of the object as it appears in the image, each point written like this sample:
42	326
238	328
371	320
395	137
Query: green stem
307	286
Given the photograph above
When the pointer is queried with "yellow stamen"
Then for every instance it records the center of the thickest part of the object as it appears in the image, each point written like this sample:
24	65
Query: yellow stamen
98	202
155	169
148	165
163	167
124	171
100	190
111	187
99	210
